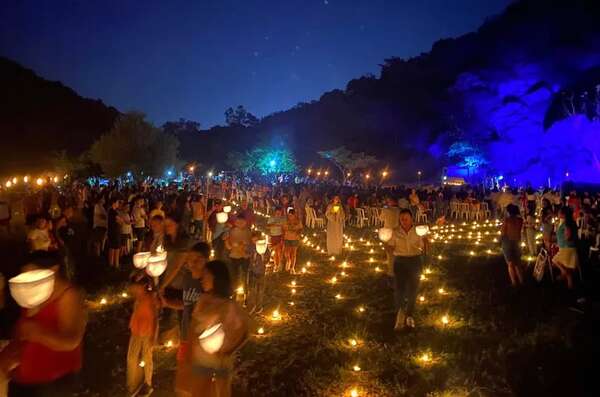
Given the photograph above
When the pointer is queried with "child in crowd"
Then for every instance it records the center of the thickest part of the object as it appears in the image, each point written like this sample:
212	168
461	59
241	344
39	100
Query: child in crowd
143	326
256	282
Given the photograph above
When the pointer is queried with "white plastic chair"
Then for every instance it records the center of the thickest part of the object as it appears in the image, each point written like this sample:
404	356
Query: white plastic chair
463	211
360	218
421	217
454	210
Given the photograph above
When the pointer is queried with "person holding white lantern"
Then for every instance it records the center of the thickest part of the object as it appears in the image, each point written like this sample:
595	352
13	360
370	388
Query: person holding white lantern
49	333
207	369
256	283
335	226
408	249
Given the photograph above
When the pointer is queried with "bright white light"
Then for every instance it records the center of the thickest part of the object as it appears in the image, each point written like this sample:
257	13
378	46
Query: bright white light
31	289
212	338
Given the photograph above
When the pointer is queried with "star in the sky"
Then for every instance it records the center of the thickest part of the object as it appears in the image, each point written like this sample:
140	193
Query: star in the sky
256	53
325	2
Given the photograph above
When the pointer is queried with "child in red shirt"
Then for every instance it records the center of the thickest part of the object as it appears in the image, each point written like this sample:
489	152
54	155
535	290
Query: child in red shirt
143	326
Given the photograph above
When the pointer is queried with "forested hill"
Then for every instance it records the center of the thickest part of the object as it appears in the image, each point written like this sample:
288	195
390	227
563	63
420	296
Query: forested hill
514	91
40	117
465	88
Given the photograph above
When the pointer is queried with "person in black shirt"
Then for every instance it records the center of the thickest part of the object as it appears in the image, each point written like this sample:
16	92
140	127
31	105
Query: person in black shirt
192	271
114	233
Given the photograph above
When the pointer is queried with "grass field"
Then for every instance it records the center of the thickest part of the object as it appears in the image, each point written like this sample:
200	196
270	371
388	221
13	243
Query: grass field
497	342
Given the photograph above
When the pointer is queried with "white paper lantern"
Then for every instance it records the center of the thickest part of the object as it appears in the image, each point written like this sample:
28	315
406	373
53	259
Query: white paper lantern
261	246
422	230
140	260
31	289
227	209
212	338
385	234
222	217
157	264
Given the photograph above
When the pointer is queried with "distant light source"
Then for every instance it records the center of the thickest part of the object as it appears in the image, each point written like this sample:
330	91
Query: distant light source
169	172
272	163
384	174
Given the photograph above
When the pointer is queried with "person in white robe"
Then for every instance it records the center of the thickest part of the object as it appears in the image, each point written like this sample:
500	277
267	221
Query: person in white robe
335	226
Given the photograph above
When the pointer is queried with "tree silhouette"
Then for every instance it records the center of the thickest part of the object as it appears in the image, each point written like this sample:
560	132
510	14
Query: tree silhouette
135	145
347	161
240	116
182	126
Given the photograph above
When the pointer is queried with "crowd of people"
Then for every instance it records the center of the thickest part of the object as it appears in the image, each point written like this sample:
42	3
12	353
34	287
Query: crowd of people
215	274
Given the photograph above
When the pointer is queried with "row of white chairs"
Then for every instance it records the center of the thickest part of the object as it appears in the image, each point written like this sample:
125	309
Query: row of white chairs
464	211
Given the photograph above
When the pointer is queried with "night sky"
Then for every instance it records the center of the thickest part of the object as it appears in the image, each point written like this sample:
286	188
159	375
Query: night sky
193	59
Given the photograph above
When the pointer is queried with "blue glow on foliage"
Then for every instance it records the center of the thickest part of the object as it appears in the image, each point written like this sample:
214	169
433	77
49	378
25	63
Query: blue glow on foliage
507	109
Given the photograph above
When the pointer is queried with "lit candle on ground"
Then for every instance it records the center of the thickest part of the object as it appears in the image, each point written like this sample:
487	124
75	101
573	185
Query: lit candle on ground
276	316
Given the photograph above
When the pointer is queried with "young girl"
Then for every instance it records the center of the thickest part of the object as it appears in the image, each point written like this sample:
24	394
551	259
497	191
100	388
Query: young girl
143	326
566	236
291	237
511	240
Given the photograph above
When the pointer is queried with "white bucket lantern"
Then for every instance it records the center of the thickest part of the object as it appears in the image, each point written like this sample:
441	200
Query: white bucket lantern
385	234
31	289
212	338
422	230
157	263
222	217
140	260
227	209
261	246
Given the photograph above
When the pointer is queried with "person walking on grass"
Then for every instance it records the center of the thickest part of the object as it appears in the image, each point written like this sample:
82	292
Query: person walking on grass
143	325
291	237
194	264
203	373
511	240
336	219
408	250
566	237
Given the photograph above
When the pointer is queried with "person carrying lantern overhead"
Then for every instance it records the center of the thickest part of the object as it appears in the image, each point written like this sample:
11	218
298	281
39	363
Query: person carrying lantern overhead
408	250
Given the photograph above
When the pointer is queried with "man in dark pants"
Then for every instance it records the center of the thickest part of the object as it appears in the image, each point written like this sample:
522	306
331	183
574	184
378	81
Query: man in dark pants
408	252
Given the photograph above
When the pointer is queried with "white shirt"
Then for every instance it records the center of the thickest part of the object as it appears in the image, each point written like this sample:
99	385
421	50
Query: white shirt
100	211
406	244
138	217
